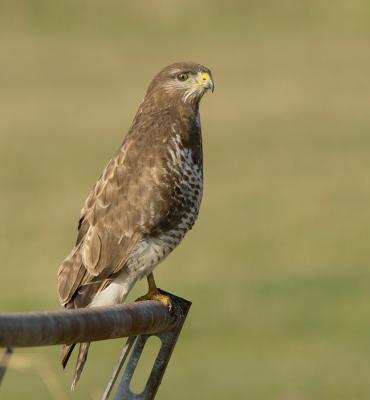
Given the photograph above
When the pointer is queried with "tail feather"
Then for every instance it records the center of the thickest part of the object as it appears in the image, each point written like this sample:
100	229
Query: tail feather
81	359
65	352
81	299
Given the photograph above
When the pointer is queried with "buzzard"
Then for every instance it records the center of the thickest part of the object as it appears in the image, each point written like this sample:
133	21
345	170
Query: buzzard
143	203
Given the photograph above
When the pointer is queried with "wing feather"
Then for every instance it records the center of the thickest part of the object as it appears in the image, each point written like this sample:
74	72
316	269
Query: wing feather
91	250
125	205
70	275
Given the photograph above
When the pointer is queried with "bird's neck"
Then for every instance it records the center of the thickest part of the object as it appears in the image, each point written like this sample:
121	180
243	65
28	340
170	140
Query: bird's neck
179	121
185	121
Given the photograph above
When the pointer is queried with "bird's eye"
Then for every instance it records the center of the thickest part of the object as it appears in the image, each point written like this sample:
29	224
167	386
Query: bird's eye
182	77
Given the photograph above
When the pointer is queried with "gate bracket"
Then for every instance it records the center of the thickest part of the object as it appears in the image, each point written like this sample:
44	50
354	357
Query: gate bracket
168	342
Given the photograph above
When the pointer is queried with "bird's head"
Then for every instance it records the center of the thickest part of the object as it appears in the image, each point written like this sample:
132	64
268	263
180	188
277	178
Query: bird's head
184	81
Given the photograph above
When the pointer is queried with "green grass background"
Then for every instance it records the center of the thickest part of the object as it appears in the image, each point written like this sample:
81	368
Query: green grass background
277	265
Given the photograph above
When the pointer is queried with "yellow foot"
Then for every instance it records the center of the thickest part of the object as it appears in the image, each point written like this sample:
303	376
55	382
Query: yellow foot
155	294
165	300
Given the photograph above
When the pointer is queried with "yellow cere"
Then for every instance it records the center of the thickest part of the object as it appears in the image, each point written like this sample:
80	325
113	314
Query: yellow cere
204	78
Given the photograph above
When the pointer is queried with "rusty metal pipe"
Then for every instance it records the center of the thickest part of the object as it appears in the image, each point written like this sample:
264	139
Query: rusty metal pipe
48	328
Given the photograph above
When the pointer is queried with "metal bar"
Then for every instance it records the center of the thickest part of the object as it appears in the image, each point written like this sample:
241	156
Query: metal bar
117	370
4	362
84	325
168	340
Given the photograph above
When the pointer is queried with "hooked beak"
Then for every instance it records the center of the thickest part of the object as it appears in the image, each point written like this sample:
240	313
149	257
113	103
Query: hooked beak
206	83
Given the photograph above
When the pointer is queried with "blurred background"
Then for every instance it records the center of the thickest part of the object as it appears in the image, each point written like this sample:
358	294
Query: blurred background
277	265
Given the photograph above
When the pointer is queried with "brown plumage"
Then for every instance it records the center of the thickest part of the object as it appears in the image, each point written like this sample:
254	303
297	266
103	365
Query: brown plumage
145	200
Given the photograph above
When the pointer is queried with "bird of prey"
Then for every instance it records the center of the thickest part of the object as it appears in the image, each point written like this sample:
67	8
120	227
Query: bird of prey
143	203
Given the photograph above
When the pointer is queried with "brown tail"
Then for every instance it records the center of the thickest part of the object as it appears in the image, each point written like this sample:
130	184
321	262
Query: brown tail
65	352
81	299
81	359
